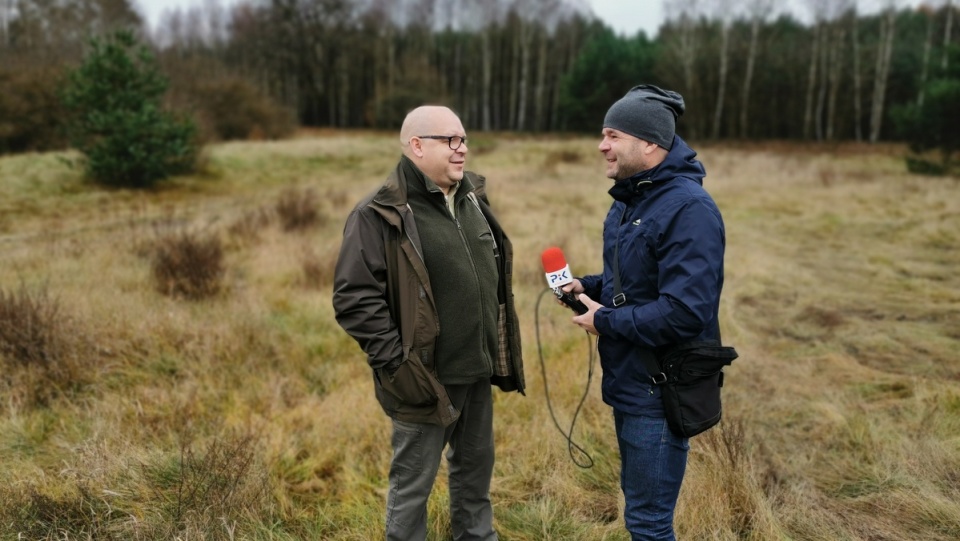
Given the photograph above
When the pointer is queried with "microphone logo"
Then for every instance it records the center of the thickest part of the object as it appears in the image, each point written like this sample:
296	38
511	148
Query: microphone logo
559	278
558	275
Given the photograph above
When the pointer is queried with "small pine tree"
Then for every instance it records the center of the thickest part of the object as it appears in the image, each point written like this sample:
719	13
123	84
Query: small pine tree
932	124
116	119
605	69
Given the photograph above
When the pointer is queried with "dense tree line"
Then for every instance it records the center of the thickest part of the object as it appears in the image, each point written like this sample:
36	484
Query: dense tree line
746	69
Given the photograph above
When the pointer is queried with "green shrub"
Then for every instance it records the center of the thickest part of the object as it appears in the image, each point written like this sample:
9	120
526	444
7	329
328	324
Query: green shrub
921	166
116	119
932	125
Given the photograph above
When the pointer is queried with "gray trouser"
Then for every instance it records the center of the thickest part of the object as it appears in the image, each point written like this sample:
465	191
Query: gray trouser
416	459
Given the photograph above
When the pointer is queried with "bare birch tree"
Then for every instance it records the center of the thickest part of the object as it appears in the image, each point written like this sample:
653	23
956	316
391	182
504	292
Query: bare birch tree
524	43
882	72
548	24
833	67
540	87
724	15
811	80
685	12
818	9
823	79
836	65
573	34
486	61
483	20
927	46
946	35
857	81
758	11
7	12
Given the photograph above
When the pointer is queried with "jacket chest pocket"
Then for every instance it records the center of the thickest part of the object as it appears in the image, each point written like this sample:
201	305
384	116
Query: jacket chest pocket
638	255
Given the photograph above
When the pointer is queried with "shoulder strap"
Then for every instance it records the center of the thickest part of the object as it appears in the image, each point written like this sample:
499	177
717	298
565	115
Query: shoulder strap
618	297
650	362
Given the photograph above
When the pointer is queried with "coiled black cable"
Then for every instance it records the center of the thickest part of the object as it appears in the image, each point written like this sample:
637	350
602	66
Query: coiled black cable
571	445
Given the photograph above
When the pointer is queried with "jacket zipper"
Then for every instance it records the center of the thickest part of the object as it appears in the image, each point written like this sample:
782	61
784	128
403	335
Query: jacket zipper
473	265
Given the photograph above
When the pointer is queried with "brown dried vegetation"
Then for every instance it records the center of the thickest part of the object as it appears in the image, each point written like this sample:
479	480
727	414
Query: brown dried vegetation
252	417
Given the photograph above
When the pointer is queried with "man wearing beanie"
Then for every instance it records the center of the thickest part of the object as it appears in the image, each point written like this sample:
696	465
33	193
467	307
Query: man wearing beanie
663	245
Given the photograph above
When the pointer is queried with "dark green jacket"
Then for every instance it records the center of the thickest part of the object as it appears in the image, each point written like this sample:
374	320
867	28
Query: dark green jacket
383	299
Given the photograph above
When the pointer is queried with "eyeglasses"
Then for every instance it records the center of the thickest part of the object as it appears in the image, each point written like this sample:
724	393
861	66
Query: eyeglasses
453	141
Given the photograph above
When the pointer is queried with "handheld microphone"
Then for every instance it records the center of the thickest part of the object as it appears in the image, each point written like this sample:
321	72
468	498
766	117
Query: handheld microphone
558	275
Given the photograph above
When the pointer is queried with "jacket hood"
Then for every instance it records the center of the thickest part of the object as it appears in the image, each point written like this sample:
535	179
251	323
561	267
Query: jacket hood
680	162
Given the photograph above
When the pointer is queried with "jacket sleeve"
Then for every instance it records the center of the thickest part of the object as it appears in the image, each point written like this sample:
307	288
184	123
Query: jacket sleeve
592	285
690	269
360	289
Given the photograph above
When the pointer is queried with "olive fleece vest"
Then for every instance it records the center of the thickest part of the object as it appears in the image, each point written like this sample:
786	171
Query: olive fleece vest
460	255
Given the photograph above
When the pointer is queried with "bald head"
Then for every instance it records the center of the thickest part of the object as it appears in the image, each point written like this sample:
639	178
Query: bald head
426	120
423	138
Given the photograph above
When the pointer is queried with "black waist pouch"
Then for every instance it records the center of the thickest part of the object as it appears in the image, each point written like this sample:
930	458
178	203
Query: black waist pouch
692	375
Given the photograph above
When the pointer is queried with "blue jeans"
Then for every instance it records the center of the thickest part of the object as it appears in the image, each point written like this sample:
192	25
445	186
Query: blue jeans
653	461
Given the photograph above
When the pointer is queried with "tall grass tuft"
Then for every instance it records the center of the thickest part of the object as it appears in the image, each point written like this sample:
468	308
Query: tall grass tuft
248	228
188	264
723	478
41	351
205	493
35	515
318	268
299	209
209	492
29	322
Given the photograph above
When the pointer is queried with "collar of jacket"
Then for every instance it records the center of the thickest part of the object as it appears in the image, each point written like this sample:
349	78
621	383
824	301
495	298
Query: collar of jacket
627	189
390	201
680	162
393	193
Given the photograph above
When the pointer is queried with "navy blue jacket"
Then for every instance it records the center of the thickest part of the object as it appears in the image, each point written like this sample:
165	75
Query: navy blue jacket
671	242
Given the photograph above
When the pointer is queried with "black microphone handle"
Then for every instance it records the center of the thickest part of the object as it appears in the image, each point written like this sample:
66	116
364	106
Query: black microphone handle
570	300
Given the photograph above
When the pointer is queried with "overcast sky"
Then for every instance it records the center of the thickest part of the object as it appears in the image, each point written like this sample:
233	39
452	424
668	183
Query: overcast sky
624	16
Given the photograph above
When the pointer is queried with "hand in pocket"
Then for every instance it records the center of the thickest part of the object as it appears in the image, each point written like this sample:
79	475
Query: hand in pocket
410	384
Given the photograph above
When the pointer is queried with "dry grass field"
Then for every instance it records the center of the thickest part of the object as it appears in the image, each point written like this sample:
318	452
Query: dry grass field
170	367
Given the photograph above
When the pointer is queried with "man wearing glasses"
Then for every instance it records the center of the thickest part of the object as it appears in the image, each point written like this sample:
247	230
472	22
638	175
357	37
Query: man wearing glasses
423	283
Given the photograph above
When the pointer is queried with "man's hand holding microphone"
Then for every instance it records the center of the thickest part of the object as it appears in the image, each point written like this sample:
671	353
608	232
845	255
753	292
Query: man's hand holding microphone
568	290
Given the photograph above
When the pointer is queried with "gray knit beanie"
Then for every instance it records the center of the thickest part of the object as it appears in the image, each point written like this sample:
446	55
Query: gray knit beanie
647	112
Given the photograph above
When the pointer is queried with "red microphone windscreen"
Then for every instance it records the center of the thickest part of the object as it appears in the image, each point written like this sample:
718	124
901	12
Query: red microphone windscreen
553	259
